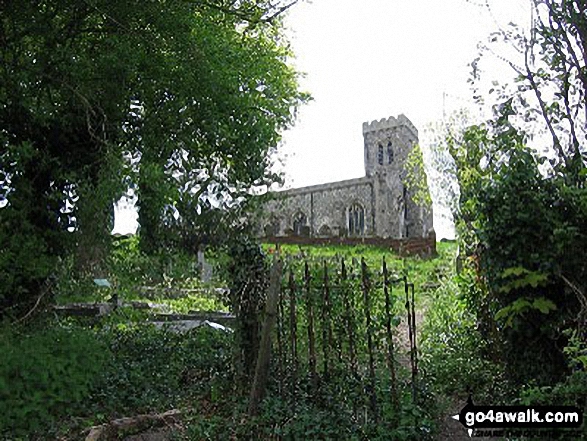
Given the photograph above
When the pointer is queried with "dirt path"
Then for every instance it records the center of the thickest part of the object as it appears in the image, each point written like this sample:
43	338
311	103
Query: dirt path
449	428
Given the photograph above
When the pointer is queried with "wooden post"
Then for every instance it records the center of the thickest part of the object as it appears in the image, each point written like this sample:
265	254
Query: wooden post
411	319
415	331
280	342
264	357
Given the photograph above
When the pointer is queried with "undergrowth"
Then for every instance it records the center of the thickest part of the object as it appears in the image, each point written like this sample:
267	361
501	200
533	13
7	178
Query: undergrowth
60	379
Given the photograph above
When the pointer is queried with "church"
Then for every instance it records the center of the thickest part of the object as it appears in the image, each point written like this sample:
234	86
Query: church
378	205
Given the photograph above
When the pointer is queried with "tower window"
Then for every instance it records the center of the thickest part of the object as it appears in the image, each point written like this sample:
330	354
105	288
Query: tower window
380	155
356	218
299	222
389	153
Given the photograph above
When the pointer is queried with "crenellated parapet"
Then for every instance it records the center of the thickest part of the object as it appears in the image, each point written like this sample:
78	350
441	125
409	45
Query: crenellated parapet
389	123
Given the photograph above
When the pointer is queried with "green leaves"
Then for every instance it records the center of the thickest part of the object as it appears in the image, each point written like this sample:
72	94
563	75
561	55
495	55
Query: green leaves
520	230
416	180
44	375
519	277
543	305
184	100
521	306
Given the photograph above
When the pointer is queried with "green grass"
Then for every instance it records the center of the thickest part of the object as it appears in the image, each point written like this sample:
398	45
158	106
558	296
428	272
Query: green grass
427	274
194	302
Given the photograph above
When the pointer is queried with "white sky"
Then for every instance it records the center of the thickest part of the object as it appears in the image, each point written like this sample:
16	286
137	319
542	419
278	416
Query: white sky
370	59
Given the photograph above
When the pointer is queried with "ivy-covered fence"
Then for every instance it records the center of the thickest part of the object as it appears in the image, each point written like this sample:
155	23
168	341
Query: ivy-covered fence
336	337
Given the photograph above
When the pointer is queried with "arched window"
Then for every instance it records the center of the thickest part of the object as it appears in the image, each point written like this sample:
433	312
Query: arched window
324	231
299	222
389	153
272	228
356	219
380	155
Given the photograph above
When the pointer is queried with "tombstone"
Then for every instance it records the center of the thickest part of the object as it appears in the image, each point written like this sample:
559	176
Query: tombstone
205	267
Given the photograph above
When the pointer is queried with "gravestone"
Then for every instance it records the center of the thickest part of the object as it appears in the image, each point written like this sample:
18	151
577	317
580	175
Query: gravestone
205	267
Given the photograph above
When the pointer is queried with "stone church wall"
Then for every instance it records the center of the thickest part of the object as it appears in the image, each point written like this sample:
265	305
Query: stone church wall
324	206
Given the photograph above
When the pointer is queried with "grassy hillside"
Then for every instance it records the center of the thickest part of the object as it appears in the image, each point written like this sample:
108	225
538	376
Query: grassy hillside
427	274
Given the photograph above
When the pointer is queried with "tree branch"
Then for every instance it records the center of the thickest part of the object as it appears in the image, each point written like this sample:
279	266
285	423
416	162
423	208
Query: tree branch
530	77
580	294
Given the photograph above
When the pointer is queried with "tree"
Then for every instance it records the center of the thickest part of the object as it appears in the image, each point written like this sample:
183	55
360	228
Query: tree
442	170
550	93
521	215
523	238
178	98
416	179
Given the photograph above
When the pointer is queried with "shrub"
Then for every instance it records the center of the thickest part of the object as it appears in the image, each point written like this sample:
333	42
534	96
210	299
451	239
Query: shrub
453	352
131	267
155	368
44	375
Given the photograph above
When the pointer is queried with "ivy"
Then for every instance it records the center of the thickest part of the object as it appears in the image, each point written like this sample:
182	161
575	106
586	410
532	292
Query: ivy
415	179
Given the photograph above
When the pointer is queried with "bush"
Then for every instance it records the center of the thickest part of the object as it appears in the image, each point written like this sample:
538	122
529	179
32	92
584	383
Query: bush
572	391
153	369
55	373
25	263
45	375
132	268
454	354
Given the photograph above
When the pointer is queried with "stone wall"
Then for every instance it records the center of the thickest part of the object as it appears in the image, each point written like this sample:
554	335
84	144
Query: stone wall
324	206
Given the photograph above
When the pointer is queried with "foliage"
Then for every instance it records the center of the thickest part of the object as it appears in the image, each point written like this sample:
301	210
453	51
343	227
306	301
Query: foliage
416	180
247	283
171	279
520	215
45	375
310	417
143	369
221	145
568	392
425	273
327	413
55	378
454	353
155	369
131	267
163	97
24	261
548	96
337	342
520	232
576	351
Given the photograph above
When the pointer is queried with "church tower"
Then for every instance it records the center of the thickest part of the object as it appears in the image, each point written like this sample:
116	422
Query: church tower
387	144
